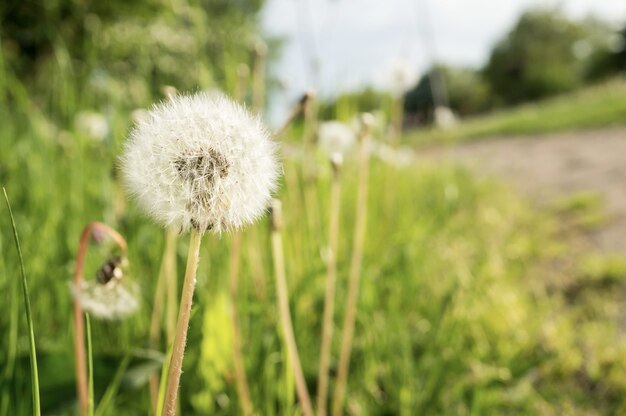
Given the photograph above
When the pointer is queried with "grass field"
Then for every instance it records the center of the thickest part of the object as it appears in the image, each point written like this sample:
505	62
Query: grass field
599	106
461	309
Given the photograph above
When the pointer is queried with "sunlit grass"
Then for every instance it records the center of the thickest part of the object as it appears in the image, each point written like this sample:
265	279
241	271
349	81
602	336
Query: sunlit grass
599	106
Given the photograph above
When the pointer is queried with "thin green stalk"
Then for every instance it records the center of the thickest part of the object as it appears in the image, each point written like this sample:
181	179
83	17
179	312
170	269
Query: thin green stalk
13	324
90	400
355	274
283	309
331	278
111	391
241	381
164	298
180	339
29	318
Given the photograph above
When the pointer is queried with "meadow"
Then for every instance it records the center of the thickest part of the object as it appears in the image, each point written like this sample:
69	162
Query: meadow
471	300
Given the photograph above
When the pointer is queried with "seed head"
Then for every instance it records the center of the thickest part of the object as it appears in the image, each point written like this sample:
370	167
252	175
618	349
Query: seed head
335	137
108	296
201	161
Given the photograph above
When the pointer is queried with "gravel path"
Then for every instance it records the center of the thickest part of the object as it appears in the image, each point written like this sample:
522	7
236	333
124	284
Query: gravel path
552	166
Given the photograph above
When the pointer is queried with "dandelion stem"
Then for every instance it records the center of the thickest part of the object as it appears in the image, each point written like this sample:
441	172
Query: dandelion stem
180	338
397	119
283	309
79	325
354	276
241	86
329	297
243	390
297	109
309	168
258	78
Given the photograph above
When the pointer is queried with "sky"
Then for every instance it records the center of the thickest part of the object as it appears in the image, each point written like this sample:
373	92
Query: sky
341	45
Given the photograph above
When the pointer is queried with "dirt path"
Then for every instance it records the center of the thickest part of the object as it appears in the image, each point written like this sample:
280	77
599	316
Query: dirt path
552	166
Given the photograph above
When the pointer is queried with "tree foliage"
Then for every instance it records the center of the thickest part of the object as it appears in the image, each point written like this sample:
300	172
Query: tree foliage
468	93
544	54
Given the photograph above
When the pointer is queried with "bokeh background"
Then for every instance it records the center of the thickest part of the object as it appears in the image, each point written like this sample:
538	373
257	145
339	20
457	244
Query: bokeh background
494	270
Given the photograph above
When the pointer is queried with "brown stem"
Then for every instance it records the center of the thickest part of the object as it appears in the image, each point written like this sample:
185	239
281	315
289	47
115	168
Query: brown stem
79	325
180	338
241	381
258	77
354	276
309	169
243	73
397	119
297	109
283	310
331	278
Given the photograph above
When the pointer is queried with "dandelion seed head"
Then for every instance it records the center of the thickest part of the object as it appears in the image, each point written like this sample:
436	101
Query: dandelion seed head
336	137
92	124
201	161
109	301
108	296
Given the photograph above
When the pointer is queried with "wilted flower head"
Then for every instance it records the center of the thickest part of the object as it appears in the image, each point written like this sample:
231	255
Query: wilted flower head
201	161
402	76
107	297
335	137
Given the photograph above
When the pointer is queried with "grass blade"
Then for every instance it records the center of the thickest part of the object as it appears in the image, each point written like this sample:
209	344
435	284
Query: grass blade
90	405
29	319
111	391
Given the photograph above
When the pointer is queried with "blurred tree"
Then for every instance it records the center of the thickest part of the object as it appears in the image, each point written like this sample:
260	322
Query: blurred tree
127	50
544	54
610	58
468	94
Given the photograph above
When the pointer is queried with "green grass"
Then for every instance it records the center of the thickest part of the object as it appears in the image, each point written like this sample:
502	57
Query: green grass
598	106
32	349
456	315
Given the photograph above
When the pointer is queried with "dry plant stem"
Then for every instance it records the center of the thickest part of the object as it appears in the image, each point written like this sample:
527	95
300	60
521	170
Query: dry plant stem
329	298
308	169
165	295
258	82
283	310
354	278
243	73
171	283
180	338
297	109
79	324
241	381
397	119
155	335
257	269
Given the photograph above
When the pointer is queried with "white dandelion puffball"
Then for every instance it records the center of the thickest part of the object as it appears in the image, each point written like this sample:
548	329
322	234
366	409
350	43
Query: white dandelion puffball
93	125
201	161
114	300
335	137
